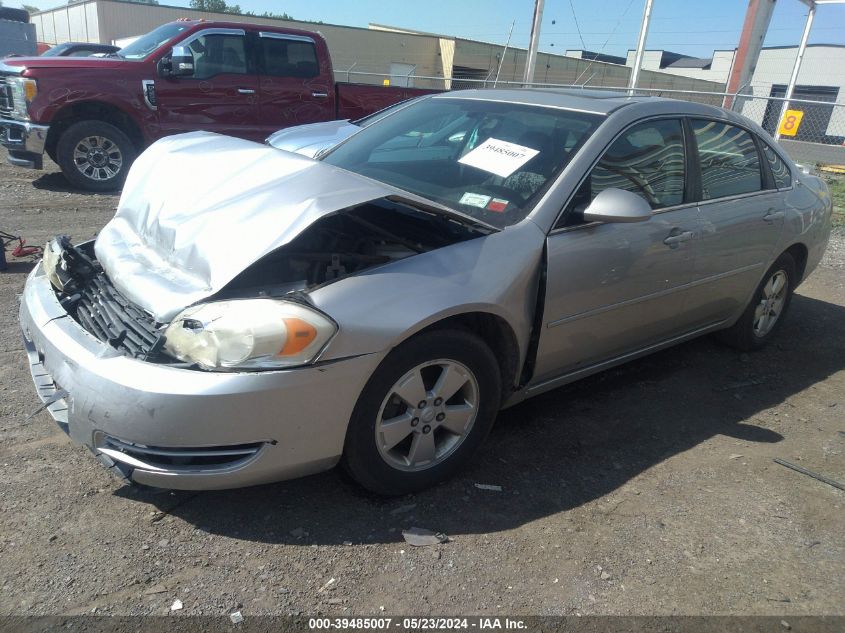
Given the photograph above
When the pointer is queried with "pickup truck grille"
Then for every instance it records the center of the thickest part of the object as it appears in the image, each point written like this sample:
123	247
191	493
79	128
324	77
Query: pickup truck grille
5	97
115	320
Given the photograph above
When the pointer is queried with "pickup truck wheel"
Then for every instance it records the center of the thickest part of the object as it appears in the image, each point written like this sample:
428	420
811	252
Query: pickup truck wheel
423	413
95	155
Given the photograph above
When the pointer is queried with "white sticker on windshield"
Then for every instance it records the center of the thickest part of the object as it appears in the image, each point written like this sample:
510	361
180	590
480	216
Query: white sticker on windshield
499	157
475	200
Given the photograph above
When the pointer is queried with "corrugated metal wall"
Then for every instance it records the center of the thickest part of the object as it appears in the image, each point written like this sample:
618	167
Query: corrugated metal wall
361	50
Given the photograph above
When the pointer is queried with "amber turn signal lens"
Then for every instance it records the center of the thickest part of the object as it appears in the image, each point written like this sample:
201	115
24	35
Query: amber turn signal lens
300	335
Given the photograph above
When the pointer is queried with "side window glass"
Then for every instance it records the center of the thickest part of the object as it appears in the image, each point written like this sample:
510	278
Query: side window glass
730	164
289	58
780	171
218	54
647	160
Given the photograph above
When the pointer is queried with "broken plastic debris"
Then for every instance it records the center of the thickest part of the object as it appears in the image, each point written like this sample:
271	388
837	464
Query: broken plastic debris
419	537
328	584
489	487
177	605
236	617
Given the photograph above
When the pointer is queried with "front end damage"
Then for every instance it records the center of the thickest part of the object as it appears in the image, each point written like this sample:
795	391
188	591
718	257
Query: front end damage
97	322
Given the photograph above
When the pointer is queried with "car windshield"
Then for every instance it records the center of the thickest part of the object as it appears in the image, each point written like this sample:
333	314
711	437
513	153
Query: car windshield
146	44
487	159
55	51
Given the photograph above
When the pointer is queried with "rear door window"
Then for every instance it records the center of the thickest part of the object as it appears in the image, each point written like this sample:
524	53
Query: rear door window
282	57
730	164
780	171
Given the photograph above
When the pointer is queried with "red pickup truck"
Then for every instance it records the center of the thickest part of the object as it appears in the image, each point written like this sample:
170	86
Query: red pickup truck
94	115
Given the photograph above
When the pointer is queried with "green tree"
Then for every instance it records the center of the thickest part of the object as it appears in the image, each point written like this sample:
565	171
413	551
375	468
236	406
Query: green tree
215	6
30	9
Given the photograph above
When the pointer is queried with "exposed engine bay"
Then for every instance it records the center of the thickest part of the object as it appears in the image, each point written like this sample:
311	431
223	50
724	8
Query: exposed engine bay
369	235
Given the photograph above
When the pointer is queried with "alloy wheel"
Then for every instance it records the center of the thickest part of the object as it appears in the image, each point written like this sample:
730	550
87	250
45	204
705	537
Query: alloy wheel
97	158
427	415
771	303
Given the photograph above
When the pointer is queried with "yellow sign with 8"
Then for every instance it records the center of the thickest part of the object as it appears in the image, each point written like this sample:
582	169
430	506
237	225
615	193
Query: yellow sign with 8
790	122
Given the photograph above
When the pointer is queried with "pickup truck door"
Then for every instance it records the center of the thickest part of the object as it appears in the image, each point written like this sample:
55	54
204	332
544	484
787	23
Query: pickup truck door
222	94
296	87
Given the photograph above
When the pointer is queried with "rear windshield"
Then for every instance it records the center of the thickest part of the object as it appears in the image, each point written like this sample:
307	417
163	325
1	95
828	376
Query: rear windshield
486	159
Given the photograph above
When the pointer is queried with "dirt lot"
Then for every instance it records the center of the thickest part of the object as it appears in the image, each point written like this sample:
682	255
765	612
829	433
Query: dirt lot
649	489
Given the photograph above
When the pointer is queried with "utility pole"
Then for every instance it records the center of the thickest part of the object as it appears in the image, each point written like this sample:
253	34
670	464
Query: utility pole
531	61
638	58
754	28
797	66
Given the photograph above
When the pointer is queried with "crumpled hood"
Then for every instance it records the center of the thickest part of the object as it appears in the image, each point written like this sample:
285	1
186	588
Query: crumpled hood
199	208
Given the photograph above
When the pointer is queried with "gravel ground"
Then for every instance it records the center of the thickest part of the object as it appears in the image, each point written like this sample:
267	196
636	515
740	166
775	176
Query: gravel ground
649	489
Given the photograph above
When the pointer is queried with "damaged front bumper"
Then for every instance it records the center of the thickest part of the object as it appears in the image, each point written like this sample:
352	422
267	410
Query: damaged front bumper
182	428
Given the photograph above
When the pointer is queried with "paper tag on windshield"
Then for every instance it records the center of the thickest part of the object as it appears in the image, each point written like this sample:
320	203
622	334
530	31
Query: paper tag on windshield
475	200
499	157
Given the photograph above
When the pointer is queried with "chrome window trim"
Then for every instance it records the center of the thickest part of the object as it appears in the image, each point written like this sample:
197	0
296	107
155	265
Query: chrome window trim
287	36
214	31
739	196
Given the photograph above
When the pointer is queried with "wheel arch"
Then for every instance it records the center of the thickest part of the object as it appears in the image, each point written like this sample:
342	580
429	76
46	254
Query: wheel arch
92	111
799	252
496	333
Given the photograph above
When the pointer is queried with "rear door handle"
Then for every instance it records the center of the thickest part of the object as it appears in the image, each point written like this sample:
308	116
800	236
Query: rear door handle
320	95
246	91
674	240
773	215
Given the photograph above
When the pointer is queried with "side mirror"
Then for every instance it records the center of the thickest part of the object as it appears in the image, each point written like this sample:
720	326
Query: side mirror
617	205
180	63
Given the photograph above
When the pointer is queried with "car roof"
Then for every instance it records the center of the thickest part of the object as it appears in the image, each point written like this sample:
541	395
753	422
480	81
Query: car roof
586	100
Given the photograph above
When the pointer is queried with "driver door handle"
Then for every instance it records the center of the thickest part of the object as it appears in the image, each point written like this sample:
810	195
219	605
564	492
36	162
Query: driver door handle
674	240
321	95
773	215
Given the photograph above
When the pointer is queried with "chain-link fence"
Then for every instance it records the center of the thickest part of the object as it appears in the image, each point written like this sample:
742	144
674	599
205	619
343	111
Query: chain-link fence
804	121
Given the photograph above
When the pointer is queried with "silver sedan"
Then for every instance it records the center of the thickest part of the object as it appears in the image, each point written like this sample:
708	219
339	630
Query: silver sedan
251	315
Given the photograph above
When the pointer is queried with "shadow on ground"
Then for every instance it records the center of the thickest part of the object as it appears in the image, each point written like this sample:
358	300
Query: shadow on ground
554	452
56	182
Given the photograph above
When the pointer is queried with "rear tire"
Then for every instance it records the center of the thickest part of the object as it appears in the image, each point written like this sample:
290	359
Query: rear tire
395	446
765	313
95	155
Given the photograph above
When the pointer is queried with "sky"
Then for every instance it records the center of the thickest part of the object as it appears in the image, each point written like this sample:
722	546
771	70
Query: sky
691	27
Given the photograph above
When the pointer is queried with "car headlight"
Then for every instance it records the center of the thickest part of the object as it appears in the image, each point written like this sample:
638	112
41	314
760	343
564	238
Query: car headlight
248	334
23	90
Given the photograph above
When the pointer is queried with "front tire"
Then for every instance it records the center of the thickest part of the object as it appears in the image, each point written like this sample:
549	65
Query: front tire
95	155
423	413
765	313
